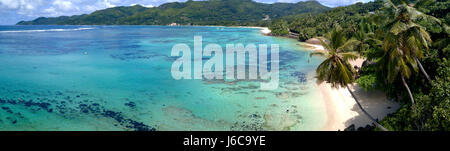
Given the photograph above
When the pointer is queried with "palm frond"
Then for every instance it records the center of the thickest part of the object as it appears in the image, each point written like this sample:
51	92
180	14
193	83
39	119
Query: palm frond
414	14
317	53
346	56
347	46
325	45
323	70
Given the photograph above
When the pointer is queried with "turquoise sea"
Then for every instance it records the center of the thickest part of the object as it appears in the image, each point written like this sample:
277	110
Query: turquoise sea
100	78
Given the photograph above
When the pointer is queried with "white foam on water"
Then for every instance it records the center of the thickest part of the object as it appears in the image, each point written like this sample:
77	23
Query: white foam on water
44	30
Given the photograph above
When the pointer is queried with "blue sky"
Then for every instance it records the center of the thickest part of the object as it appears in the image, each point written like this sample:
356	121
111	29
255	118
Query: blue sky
12	11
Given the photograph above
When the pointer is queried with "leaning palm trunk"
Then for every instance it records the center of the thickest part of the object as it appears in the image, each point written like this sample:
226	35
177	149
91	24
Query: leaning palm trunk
423	70
365	112
407	88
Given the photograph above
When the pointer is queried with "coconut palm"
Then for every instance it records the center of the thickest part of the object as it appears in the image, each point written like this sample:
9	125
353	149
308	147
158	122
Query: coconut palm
365	36
336	68
412	37
362	38
394	63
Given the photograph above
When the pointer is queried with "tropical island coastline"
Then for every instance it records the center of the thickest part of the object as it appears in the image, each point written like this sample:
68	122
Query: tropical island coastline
341	109
378	92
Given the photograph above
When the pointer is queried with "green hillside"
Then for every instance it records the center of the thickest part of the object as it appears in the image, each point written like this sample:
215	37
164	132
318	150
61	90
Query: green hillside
211	12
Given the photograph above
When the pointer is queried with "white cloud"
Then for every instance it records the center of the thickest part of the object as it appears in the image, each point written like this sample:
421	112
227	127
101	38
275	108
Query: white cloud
51	11
334	3
329	3
23	7
99	4
108	3
148	6
64	5
10	4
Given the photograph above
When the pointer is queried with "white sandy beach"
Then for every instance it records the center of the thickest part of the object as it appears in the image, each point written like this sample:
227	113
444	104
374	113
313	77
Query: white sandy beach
313	47
265	30
342	110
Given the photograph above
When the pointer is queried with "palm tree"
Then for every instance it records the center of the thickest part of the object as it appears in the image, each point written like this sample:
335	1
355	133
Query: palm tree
395	63
362	38
336	68
365	36
412	37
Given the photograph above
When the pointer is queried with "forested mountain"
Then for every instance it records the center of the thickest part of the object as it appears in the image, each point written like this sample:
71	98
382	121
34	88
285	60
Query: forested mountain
211	12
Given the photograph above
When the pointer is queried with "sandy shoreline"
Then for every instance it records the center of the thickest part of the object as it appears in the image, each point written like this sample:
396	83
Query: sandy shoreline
313	47
265	30
342	110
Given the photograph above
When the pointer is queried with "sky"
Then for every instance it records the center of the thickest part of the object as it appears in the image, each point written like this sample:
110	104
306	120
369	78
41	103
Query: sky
13	11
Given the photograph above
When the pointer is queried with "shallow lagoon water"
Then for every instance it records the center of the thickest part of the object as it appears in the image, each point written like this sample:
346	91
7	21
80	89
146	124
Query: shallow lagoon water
118	78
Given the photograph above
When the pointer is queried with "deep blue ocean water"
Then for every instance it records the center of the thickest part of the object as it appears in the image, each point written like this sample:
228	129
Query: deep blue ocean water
118	78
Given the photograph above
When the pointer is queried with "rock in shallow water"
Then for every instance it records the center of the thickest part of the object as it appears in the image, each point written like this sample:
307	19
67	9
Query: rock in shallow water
280	121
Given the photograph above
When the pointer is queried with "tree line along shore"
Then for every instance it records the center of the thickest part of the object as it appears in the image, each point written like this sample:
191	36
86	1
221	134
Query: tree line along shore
403	51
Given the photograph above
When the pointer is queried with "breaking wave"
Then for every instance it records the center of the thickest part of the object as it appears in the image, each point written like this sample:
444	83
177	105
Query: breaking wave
44	30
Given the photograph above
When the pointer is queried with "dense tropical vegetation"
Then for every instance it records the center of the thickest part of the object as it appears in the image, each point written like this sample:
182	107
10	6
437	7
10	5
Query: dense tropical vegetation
313	24
211	12
405	44
406	47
